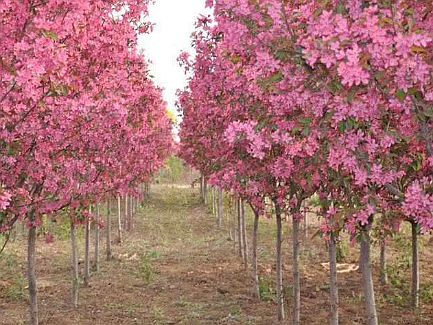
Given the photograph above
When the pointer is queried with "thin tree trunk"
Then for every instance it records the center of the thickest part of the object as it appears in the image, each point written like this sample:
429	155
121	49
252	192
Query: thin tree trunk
333	280
146	191
244	234
367	279
97	238
213	202
240	244
119	219
296	273
74	260
131	213
87	253
108	246
383	266
31	270
126	215
305	223
201	188
229	215
256	288
220	208
415	266
279	263
205	198
235	224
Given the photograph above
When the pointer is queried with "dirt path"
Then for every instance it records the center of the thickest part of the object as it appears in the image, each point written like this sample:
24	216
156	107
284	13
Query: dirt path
177	267
174	268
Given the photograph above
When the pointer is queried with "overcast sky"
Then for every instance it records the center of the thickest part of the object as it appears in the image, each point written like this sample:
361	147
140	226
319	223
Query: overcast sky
174	22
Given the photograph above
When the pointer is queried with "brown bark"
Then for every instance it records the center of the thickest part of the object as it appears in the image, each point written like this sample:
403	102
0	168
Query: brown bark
256	287
126	214
74	260
213	202
244	234
296	273
31	272
220	208
415	266
201	188
367	279
383	266
240	244
230	223
131	213
87	254
333	280
119	219
97	238
205	198
279	263
109	251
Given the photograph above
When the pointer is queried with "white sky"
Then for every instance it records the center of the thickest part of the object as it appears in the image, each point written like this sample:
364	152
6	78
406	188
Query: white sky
174	22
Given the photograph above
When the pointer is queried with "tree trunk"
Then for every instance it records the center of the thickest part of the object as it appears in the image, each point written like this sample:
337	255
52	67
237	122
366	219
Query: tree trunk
126	214
213	202
87	253
146	191
108	248
97	238
244	234
205	199
130	211
201	188
305	223
415	266
367	279
74	260
240	245
279	263
229	215
220	208
383	266
119	219
256	288
296	273
31	270
333	280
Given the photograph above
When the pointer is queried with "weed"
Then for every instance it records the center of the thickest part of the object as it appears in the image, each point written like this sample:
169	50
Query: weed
154	255
145	269
157	315
15	290
342	251
266	289
426	293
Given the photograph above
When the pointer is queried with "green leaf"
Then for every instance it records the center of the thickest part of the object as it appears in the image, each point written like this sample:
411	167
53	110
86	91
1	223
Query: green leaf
429	112
401	95
51	35
305	121
341	9
336	86
351	95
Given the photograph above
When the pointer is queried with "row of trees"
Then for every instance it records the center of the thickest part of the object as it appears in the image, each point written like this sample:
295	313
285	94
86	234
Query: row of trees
293	99
81	120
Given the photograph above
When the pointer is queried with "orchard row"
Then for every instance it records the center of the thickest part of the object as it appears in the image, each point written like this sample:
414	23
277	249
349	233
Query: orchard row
290	100
81	120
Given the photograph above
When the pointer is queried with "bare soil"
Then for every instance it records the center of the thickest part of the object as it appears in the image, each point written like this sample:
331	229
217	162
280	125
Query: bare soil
177	267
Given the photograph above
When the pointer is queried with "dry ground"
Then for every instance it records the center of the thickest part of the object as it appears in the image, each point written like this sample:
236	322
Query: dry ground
177	267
